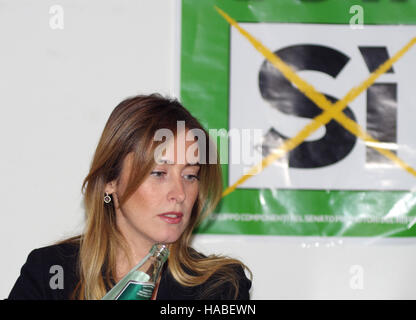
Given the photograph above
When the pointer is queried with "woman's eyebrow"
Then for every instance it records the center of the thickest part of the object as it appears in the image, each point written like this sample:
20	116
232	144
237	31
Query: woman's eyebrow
192	165
165	161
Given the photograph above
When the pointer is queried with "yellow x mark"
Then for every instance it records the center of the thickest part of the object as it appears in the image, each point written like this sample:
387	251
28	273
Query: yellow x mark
331	111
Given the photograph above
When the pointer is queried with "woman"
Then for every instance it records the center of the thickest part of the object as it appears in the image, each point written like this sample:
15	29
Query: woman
140	190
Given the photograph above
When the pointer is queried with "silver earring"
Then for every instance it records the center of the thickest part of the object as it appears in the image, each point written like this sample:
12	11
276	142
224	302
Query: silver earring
107	198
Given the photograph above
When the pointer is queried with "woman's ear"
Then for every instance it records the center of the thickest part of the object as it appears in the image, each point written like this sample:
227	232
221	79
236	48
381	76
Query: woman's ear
111	187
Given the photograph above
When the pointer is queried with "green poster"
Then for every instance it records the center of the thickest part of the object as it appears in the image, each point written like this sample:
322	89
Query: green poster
323	93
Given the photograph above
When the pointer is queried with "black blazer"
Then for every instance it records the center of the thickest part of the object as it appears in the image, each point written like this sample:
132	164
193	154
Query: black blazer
37	280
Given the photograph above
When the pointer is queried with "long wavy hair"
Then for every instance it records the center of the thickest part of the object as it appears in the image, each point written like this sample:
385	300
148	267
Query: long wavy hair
130	129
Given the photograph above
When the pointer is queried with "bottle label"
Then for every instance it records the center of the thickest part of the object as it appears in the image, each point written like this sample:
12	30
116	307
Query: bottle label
135	290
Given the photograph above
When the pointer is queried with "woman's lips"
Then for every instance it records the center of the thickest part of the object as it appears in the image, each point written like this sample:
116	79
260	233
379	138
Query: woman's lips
171	217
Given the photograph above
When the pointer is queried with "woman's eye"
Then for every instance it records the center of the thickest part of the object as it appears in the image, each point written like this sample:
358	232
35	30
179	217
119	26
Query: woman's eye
191	177
158	174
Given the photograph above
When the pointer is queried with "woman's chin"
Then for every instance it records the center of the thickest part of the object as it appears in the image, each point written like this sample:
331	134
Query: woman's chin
167	238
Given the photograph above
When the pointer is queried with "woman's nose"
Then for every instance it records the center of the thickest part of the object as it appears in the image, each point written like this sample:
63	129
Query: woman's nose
177	191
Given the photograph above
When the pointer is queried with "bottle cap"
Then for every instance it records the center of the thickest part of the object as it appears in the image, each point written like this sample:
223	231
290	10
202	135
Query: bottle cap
160	249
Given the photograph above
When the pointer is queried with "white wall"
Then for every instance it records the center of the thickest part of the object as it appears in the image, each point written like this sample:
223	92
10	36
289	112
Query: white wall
57	89
322	268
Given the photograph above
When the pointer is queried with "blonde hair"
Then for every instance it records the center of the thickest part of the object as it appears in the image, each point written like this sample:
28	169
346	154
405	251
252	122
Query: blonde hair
130	129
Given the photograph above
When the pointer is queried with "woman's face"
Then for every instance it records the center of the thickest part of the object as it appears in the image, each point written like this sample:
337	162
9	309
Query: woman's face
160	209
